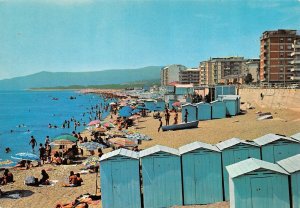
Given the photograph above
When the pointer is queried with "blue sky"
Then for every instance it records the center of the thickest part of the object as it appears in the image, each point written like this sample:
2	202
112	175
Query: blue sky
88	35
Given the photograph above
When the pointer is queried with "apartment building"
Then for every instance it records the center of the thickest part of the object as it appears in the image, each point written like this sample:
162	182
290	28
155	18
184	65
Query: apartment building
279	57
170	73
214	70
251	66
296	59
190	76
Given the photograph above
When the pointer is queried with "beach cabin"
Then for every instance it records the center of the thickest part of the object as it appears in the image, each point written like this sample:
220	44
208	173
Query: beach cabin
201	173
232	103
192	112
258	184
296	136
292	166
276	147
150	104
171	101
218	109
160	105
224	90
203	111
235	150
120	180
161	172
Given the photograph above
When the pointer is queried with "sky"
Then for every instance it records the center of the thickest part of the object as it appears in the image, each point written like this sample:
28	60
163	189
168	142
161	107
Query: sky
92	35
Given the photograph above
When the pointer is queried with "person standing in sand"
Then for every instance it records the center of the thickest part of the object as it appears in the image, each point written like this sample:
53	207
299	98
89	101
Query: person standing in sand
33	143
186	116
160	124
176	118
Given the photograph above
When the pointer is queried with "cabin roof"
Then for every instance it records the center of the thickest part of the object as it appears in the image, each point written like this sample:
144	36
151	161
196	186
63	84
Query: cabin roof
122	152
158	148
197	145
232	142
252	164
296	136
269	138
291	164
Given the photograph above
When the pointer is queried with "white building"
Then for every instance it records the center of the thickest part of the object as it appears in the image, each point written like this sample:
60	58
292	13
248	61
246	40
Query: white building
170	73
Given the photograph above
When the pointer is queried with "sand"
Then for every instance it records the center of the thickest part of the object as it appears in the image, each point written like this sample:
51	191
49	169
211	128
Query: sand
243	126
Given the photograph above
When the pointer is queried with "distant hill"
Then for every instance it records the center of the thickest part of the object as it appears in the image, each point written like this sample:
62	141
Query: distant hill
106	77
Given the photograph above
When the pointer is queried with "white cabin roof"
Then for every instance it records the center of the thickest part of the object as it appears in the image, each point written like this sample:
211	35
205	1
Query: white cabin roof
291	164
197	145
269	138
296	136
252	164
158	148
232	142
122	152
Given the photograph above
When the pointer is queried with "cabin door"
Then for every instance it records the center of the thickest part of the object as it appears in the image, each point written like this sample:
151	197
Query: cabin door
261	192
281	151
119	183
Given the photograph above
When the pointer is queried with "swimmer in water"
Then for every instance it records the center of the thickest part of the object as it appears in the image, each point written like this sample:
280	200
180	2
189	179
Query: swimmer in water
7	150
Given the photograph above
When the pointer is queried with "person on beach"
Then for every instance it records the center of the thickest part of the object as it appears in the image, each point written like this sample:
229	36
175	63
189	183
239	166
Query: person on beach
45	178
186	115
47	140
7	177
176	118
160	124
33	143
42	151
48	153
78	179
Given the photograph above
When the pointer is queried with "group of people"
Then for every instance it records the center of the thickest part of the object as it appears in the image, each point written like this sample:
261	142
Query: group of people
74	180
167	118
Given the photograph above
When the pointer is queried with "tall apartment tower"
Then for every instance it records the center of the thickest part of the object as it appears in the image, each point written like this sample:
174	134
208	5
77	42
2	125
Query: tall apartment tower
170	73
278	58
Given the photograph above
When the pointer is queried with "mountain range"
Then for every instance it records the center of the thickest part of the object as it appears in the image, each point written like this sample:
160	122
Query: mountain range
54	79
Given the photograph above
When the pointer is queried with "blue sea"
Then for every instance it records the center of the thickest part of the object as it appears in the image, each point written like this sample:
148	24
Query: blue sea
28	113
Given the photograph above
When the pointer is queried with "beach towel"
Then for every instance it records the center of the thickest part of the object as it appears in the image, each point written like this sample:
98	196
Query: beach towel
52	183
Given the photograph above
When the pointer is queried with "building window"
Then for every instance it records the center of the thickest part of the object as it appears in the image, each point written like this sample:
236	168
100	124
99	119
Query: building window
281	69
289	39
281	47
281	55
281	39
289	47
281	76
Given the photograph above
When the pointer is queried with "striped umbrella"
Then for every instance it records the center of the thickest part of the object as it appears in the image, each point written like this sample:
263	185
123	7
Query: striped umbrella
65	137
25	156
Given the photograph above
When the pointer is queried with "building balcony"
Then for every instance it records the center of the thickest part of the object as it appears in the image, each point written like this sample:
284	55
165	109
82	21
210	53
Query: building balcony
296	45
296	61
295	77
295	69
295	53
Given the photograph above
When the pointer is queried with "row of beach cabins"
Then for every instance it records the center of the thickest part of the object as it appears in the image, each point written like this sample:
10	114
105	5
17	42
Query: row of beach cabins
226	103
261	173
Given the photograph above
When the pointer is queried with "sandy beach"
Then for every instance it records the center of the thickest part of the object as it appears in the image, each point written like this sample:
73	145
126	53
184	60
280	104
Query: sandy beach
245	126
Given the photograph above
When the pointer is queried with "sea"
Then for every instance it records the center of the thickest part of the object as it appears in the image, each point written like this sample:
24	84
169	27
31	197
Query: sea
28	113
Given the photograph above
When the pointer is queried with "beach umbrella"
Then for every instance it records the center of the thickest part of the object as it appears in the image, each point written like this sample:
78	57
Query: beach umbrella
91	161
122	142
94	122
25	156
125	114
107	124
62	142
136	111
99	129
91	146
176	104
112	103
65	137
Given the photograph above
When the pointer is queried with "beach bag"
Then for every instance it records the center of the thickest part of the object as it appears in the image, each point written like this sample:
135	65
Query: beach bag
31	181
